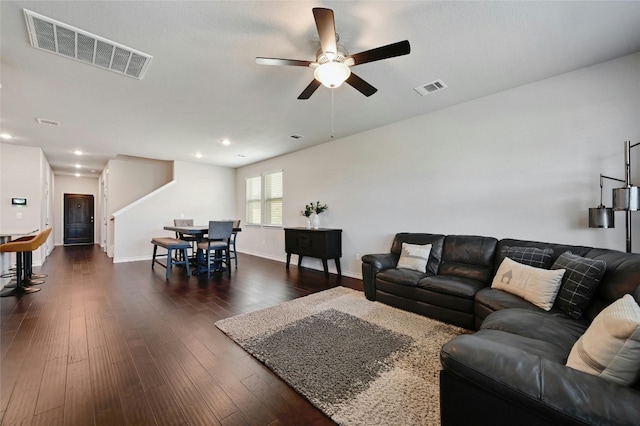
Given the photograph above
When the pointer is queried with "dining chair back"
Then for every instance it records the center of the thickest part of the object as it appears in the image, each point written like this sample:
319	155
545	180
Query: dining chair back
220	230
232	242
190	238
217	244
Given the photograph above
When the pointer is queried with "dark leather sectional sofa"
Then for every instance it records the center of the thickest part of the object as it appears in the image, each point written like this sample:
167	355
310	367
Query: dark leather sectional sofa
512	370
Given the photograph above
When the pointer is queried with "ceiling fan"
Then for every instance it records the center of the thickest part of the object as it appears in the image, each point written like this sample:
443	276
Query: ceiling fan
333	64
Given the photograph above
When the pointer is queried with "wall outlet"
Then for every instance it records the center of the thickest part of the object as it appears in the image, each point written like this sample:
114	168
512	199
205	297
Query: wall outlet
358	256
18	215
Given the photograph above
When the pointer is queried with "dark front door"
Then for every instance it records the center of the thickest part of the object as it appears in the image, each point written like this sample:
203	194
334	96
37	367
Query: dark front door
78	219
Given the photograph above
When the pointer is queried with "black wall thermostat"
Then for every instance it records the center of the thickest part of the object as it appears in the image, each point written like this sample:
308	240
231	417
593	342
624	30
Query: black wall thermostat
19	201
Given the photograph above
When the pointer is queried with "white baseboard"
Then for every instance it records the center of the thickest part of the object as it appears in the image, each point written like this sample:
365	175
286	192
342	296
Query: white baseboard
132	259
283	259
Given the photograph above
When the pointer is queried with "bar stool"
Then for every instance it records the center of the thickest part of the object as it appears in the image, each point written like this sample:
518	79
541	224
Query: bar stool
23	249
29	278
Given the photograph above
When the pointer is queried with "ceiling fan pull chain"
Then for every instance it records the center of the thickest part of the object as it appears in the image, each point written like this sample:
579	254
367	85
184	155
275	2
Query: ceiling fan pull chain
332	129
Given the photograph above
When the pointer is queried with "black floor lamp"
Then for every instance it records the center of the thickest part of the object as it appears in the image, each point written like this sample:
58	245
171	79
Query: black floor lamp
625	199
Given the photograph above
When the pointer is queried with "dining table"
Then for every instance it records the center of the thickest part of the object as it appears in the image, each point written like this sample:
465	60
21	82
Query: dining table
199	232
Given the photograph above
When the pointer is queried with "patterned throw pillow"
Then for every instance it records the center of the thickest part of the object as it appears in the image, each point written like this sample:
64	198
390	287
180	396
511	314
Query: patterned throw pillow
610	348
414	256
579	282
532	256
536	285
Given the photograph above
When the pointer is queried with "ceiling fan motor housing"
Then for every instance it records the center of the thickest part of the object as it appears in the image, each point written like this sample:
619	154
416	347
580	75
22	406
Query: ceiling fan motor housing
341	56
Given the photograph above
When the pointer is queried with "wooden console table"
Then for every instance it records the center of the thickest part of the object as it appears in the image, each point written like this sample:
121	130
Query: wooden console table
319	243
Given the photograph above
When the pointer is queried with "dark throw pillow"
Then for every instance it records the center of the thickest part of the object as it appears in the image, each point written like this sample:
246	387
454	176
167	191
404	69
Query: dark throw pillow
532	256
579	283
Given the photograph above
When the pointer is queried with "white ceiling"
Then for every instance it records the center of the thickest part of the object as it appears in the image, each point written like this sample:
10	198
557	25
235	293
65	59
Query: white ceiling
204	86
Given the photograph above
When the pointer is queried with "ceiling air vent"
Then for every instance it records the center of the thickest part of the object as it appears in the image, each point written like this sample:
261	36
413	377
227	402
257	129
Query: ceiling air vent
429	88
65	40
47	122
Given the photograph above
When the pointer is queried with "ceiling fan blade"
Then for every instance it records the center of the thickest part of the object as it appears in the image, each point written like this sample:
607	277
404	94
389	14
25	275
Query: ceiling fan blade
326	26
389	51
278	61
306	93
361	85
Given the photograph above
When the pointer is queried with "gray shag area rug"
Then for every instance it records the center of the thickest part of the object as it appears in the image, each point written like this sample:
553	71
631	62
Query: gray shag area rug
360	362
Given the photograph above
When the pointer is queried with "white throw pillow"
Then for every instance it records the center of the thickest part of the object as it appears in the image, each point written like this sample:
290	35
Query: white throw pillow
414	256
610	348
536	285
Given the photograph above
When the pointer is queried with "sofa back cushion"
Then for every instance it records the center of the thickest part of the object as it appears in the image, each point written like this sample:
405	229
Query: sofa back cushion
622	276
558	249
436	241
468	256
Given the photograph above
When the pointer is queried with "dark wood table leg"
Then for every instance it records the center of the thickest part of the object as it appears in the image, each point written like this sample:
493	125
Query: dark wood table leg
338	266
326	267
288	259
300	260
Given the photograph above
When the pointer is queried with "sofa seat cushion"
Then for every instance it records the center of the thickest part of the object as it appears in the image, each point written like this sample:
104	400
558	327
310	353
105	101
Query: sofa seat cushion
406	277
438	301
537	383
540	348
450	292
559	330
489	300
465	288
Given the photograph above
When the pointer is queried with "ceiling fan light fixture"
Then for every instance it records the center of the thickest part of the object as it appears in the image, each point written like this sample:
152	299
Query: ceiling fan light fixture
332	74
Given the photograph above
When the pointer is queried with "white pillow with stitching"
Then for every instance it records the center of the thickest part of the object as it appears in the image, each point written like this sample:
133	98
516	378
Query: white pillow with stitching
414	256
536	285
610	348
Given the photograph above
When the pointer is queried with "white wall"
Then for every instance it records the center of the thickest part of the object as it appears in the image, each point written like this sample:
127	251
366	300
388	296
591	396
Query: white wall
133	177
523	163
24	173
20	176
200	192
65	184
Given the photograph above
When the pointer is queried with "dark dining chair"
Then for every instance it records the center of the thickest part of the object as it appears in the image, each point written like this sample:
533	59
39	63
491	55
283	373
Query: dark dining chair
232	242
216	246
190	238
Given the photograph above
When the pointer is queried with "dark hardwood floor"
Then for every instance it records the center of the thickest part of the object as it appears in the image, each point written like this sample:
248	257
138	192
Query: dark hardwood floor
115	344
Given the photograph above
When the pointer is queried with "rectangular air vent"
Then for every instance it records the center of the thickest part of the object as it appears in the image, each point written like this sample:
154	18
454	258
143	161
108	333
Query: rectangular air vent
47	122
429	88
65	40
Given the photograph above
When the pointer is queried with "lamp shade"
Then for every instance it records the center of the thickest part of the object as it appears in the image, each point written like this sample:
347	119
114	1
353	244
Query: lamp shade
601	217
332	74
627	198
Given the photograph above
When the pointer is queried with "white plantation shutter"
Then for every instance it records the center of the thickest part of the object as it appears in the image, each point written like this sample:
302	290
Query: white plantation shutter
273	199
264	199
254	200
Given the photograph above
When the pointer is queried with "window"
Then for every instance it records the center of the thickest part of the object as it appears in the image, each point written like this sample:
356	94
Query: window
254	200
273	199
264	199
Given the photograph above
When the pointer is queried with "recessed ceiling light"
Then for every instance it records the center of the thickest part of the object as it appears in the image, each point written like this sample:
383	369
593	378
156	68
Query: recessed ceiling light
5	136
77	166
197	155
77	174
295	137
77	152
225	142
93	171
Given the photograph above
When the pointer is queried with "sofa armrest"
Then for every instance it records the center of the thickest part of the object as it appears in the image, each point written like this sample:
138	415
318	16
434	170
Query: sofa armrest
371	265
552	389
